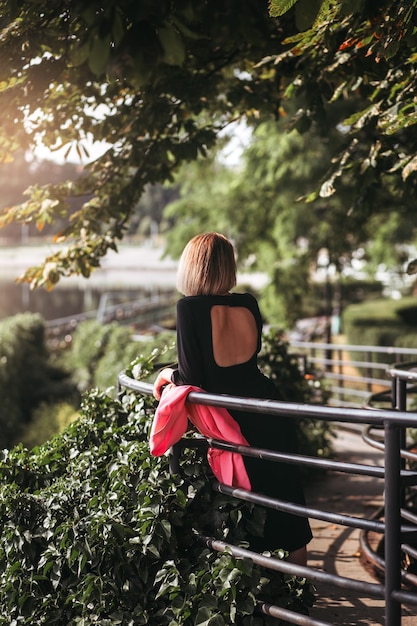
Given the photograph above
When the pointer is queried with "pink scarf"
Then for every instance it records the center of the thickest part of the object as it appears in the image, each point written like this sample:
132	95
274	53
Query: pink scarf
171	422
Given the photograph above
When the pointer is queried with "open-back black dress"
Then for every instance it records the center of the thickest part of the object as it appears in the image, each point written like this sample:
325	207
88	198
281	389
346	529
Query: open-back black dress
197	366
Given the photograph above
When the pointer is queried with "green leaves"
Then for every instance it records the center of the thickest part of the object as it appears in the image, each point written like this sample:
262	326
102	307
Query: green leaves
173	45
99	54
306	11
279	7
159	81
156	81
95	530
359	57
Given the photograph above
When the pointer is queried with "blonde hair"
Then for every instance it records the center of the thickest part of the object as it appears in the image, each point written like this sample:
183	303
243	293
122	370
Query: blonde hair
207	266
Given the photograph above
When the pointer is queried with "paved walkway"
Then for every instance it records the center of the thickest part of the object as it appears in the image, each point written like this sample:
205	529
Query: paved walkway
335	549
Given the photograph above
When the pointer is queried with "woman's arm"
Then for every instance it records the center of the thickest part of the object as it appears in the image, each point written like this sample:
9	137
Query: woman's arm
189	350
189	371
163	378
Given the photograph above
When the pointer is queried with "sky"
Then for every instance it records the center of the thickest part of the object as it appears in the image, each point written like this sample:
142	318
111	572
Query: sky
95	151
239	132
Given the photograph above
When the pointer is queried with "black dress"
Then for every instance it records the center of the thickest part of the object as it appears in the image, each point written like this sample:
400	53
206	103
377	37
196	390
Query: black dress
197	366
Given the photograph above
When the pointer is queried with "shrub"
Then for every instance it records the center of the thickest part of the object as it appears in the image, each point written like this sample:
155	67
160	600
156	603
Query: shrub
407	341
94	530
88	347
381	323
47	421
27	375
99	352
122	349
283	368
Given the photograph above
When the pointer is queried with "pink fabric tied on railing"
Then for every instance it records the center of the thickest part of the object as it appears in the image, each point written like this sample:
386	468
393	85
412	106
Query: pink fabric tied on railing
171	422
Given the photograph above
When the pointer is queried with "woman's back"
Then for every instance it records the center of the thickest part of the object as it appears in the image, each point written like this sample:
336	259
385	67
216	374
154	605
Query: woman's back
234	334
218	340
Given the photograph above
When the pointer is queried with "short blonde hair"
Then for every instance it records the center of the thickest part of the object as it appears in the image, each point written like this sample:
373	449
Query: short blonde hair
207	266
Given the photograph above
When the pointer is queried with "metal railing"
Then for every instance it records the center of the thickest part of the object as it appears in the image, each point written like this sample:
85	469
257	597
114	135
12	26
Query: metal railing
350	378
146	311
395	478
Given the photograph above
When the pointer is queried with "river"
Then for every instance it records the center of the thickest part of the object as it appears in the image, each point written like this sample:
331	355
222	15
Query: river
129	274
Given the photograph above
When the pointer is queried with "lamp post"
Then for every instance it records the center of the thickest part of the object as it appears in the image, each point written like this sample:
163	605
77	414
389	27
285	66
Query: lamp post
323	261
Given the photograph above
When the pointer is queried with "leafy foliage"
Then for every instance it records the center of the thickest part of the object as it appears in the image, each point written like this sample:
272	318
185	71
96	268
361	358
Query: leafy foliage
94	530
362	53
28	377
19	174
399	315
306	11
46	421
99	352
283	368
381	322
204	185
160	82
157	82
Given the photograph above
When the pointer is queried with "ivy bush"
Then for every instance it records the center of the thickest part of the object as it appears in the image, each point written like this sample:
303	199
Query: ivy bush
96	531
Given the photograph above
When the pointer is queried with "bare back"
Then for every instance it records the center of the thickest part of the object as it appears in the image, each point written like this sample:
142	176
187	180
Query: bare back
234	334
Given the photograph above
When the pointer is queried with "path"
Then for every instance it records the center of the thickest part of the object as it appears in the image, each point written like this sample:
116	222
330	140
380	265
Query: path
335	549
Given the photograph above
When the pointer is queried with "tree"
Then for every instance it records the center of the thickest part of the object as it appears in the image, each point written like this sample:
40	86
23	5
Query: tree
157	81
19	174
261	206
364	53
203	204
148	212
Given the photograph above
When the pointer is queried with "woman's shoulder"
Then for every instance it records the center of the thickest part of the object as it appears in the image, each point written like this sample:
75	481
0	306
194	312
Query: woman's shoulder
236	297
192	302
197	307
245	296
246	299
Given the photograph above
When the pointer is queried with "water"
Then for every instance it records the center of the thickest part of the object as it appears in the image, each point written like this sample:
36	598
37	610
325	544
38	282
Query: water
62	302
133	273
128	275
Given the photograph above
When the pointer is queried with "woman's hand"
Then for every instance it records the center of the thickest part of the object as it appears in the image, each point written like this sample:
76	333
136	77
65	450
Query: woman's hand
163	378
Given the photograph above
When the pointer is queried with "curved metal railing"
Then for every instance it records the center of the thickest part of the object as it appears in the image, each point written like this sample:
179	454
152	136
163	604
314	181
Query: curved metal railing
393	474
404	379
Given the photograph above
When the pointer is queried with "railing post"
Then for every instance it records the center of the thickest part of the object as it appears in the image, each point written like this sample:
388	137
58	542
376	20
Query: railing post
174	458
394	393
392	523
340	370
401	405
400	394
368	371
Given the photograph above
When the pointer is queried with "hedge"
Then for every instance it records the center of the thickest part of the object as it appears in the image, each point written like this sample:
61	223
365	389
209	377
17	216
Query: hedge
380	322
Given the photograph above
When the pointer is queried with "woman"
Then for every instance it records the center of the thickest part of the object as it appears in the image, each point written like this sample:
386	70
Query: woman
218	340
